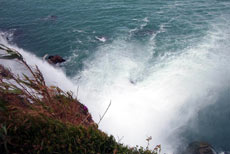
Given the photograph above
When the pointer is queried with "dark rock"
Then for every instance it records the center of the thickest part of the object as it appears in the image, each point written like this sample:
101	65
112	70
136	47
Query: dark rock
53	17
50	18
5	73
55	59
200	148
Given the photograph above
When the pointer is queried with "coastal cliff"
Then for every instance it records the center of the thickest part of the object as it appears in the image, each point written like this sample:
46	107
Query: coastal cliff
37	118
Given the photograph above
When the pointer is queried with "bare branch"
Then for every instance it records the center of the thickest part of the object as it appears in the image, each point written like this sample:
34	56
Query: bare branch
104	113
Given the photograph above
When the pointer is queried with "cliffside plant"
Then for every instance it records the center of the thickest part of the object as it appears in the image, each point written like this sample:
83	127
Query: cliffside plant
47	100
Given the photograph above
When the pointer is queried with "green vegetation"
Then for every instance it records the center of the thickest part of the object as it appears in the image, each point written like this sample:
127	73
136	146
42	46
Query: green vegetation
36	118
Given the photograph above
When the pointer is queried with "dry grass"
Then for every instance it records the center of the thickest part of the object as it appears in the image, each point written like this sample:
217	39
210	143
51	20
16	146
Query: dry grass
31	95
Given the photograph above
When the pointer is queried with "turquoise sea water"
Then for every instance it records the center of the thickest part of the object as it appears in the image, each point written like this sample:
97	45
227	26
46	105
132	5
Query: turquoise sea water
165	65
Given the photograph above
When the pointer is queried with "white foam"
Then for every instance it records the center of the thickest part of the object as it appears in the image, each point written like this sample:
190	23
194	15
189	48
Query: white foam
77	30
102	39
146	98
146	19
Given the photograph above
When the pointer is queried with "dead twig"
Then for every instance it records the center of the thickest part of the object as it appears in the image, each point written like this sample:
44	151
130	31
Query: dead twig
119	139
104	113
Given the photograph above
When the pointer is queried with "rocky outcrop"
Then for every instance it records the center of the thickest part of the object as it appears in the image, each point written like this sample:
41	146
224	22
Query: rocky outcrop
200	148
55	59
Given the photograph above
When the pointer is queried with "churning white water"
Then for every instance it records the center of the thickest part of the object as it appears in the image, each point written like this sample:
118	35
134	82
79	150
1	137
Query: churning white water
154	98
150	96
